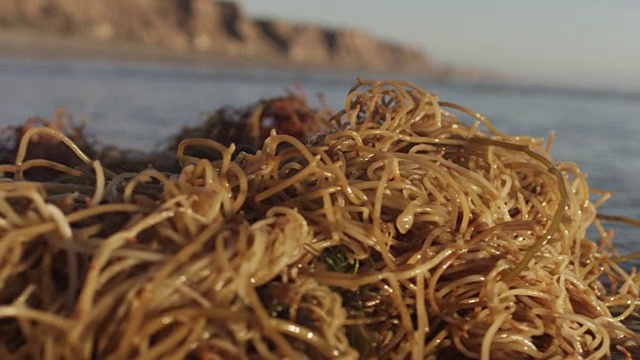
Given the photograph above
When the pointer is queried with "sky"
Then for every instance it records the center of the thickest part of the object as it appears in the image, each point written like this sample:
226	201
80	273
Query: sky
588	43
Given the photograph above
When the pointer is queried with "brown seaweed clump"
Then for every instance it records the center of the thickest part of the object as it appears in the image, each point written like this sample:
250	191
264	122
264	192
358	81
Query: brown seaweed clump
246	127
250	126
404	232
47	147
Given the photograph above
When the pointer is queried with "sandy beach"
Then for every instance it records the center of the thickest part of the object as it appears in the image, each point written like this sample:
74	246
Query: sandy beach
29	43
36	44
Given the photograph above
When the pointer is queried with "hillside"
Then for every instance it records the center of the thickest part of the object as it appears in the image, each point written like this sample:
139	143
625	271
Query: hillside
209	29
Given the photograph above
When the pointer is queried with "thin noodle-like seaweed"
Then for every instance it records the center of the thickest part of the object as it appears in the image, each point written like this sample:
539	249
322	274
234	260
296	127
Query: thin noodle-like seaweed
399	232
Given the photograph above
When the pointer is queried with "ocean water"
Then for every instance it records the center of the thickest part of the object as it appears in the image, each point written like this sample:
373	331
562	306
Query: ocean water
136	105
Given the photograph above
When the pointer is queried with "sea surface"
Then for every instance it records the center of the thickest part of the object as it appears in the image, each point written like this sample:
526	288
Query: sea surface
138	105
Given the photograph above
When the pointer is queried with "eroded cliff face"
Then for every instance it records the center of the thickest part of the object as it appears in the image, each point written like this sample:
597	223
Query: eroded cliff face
212	27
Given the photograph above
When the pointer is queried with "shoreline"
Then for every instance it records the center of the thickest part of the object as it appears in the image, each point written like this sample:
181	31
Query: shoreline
18	43
29	43
37	44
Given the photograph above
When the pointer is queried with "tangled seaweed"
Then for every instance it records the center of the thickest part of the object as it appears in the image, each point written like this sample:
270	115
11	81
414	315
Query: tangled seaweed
403	232
249	127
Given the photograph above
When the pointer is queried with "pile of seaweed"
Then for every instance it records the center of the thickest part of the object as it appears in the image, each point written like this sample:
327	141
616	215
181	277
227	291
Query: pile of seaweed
247	127
388	229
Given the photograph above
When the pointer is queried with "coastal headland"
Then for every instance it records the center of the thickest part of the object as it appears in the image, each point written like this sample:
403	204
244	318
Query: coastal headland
199	31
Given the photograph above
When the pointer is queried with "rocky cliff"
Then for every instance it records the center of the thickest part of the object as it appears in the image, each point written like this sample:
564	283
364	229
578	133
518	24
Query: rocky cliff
206	26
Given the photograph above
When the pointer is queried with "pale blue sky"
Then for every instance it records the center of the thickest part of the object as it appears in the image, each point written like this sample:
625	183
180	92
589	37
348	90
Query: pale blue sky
585	43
